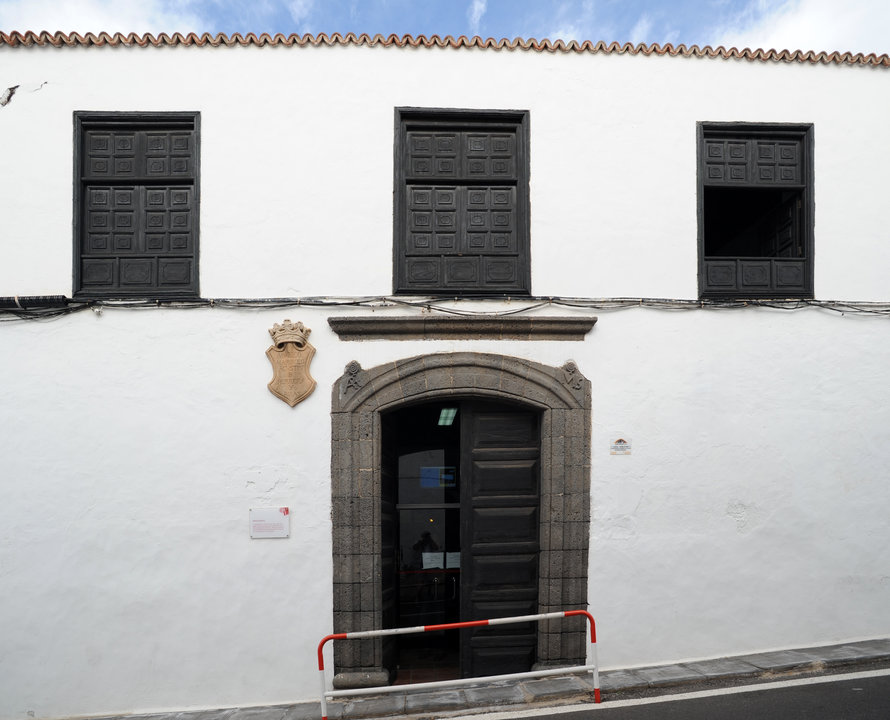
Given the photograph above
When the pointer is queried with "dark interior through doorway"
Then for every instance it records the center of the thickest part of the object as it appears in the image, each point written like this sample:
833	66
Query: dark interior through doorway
459	521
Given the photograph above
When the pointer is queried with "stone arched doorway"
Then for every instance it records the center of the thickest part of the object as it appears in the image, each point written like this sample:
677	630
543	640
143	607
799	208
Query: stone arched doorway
561	395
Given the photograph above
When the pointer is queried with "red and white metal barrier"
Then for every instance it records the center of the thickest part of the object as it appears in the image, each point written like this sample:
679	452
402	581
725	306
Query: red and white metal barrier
592	668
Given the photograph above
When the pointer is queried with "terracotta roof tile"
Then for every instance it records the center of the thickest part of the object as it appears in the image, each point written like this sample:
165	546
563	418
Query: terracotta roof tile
60	39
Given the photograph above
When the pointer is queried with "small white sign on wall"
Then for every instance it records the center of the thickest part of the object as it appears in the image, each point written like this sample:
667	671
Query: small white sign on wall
270	522
620	445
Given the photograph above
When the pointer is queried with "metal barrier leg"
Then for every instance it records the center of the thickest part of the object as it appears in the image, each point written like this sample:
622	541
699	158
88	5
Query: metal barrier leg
596	677
324	703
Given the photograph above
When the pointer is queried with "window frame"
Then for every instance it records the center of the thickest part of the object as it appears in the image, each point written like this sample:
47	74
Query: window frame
85	121
461	120
801	132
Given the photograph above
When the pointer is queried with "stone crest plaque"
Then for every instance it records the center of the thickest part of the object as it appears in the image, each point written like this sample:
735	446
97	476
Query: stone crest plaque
290	356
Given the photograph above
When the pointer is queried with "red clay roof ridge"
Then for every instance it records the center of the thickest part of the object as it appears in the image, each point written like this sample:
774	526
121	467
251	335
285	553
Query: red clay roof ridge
60	39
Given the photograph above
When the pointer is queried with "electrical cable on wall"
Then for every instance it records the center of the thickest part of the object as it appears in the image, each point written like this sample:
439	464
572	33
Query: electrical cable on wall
17	308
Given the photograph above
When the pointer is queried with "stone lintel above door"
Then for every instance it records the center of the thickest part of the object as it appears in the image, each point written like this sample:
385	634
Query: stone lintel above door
476	327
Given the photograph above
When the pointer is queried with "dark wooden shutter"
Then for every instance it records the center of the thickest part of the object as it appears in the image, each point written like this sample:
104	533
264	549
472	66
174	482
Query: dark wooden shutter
500	515
773	162
138	208
462	201
741	161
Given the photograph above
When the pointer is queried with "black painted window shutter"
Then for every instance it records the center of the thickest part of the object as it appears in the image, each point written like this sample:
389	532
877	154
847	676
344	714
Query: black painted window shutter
461	203
136	207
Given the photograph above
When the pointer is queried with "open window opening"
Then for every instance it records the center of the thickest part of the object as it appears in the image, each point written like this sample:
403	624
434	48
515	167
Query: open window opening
753	223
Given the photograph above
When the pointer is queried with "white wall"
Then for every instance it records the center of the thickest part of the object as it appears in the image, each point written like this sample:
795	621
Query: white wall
134	445
751	514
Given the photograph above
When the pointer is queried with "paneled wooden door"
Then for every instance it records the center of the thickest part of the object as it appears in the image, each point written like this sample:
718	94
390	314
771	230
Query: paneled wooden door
475	484
500	463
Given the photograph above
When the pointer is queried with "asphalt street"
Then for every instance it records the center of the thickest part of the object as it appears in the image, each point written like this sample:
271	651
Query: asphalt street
861	696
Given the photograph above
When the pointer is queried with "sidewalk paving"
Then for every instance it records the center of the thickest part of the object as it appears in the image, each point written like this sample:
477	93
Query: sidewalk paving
559	690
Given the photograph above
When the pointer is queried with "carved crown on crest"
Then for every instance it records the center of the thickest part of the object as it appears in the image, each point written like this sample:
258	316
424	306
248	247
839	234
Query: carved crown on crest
288	332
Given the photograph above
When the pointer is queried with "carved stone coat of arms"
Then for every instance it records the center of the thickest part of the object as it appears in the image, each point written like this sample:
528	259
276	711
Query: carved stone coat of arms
290	356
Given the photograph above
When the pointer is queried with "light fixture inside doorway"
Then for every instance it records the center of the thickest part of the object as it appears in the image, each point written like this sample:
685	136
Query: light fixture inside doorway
446	416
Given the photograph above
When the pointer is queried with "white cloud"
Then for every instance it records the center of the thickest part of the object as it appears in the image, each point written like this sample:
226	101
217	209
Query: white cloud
139	16
641	30
475	13
854	25
576	21
300	9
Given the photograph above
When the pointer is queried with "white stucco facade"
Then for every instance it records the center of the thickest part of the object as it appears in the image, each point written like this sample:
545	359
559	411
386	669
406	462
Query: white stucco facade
751	514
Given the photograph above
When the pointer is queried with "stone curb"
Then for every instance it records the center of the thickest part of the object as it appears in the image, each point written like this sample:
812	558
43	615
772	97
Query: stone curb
559	689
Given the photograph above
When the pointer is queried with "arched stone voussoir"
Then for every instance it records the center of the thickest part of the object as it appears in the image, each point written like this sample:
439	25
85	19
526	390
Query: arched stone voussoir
427	376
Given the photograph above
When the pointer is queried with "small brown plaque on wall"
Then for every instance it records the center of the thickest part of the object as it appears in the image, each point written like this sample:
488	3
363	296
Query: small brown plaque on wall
290	356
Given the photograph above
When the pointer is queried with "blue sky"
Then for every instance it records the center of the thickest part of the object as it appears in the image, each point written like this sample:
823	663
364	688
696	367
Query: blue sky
855	25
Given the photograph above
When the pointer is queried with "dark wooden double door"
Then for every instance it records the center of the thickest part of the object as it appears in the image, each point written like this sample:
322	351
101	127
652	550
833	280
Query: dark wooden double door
460	517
